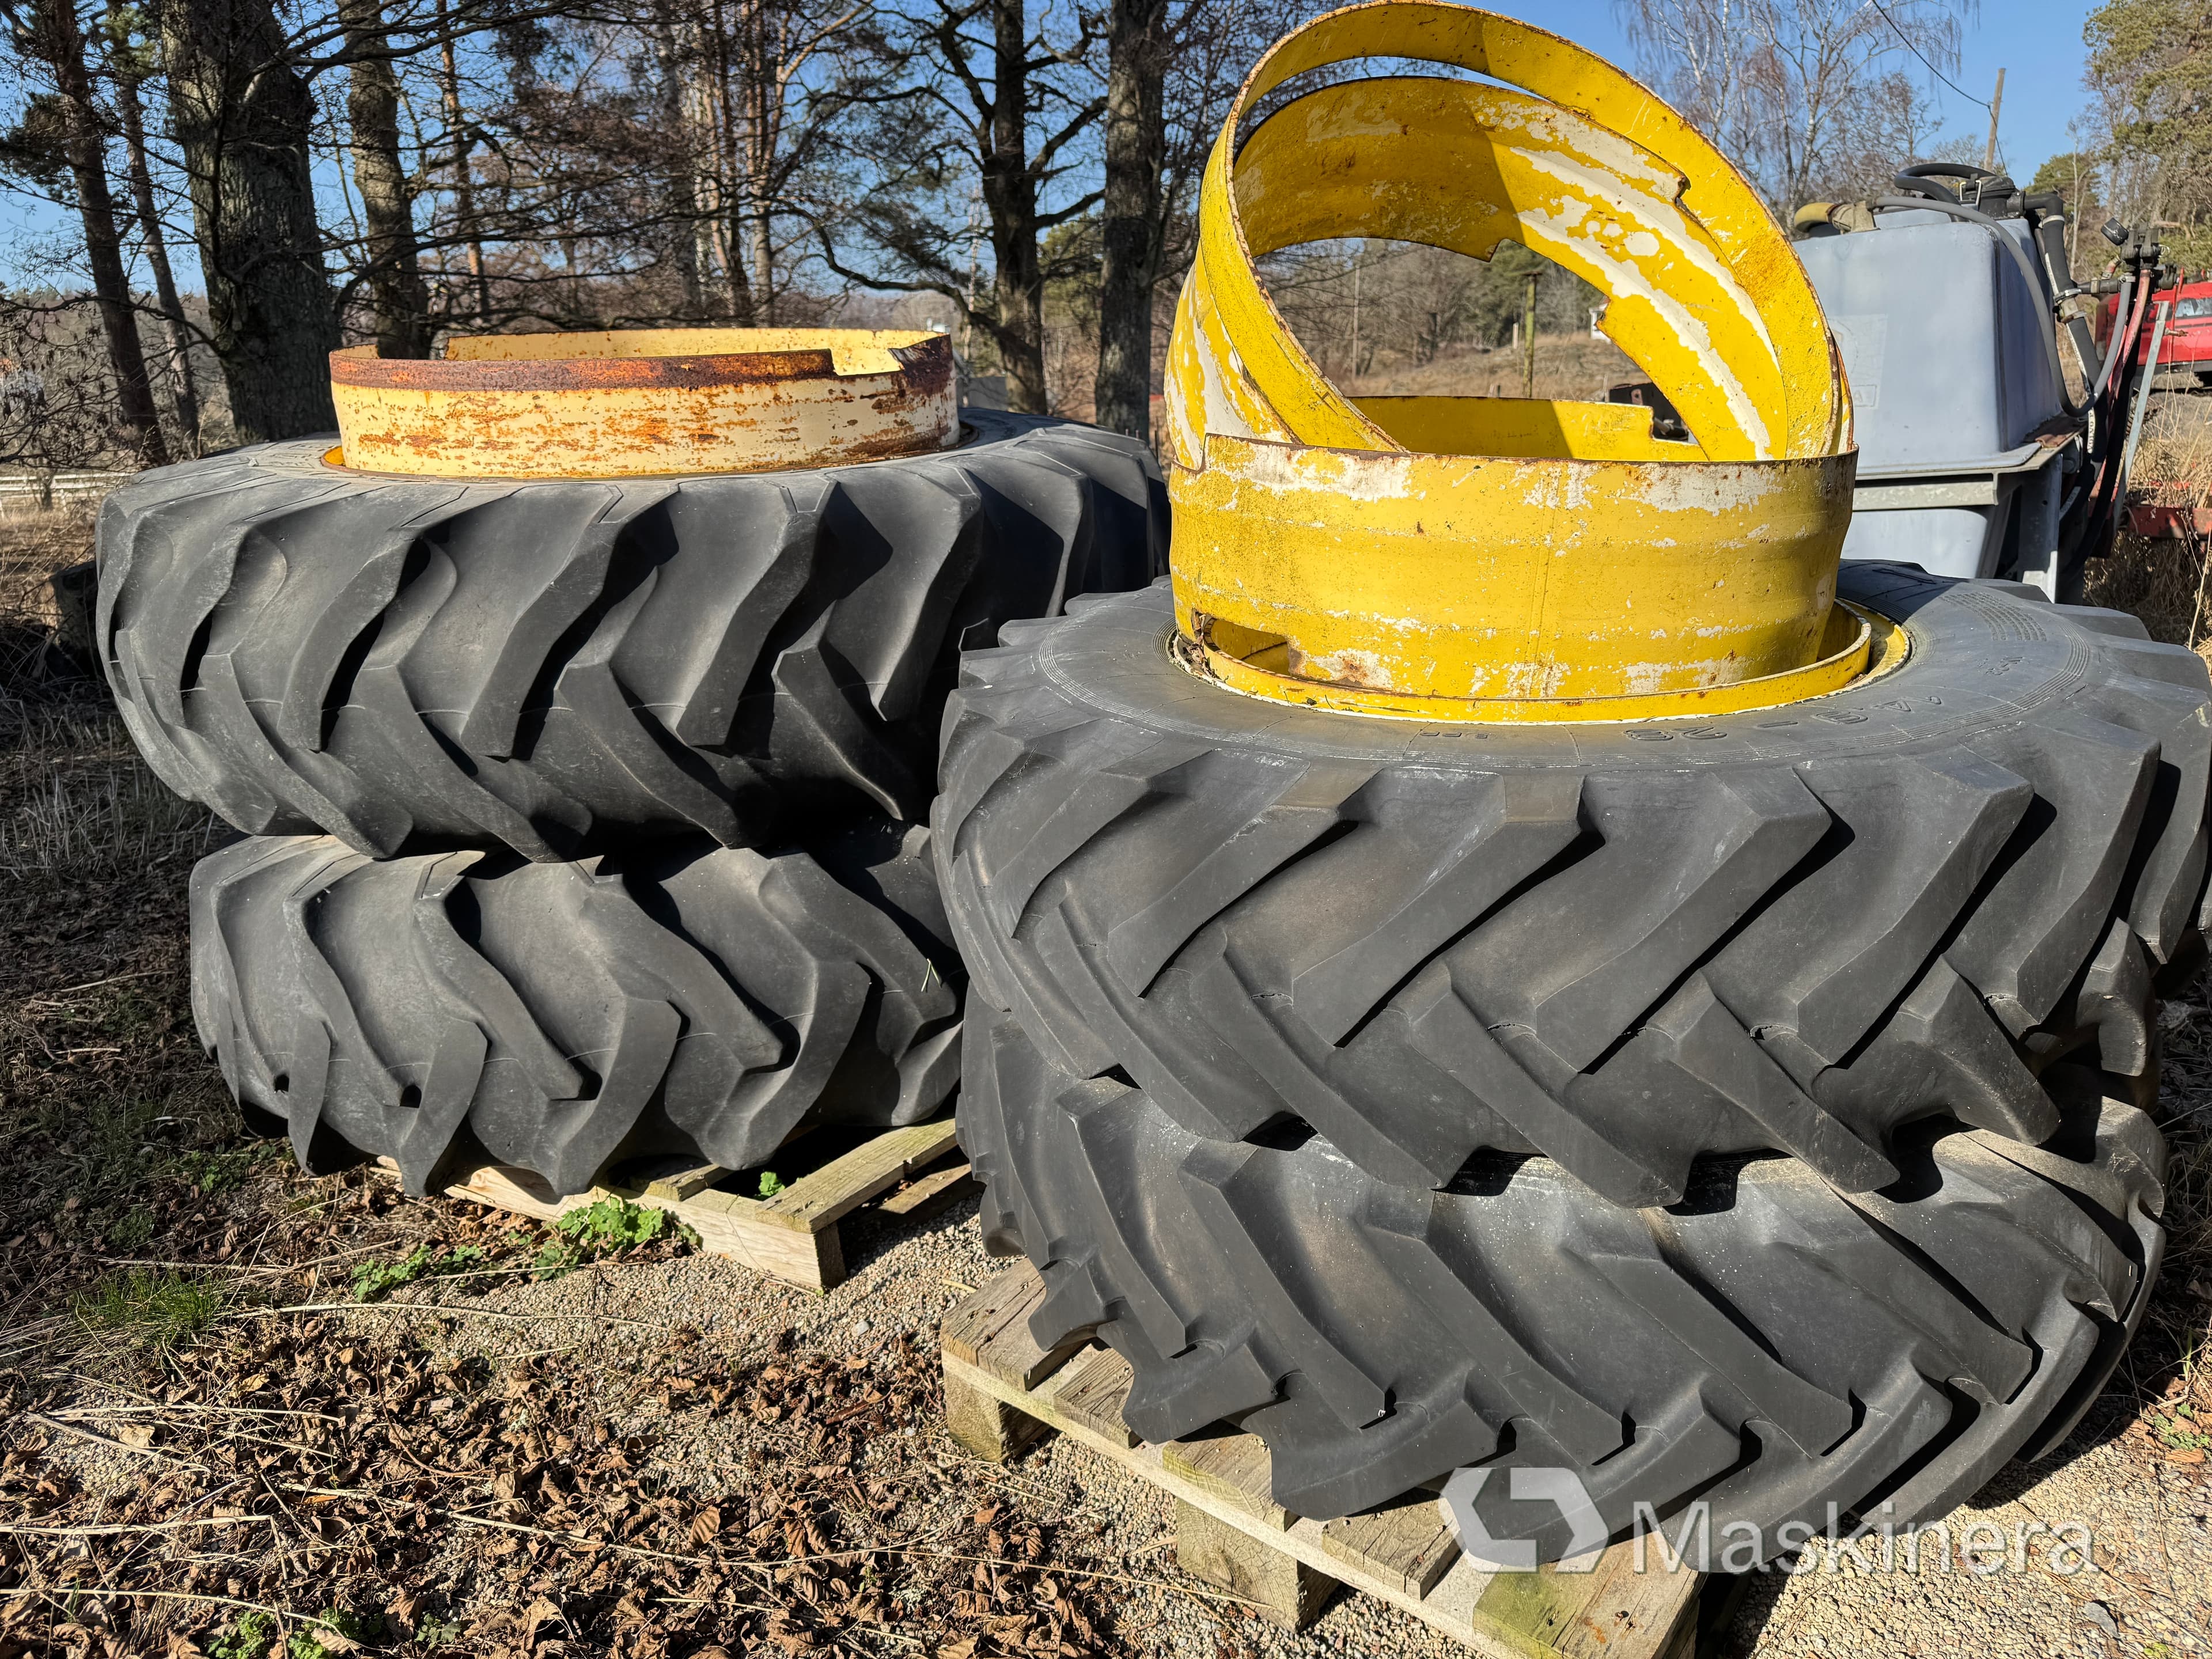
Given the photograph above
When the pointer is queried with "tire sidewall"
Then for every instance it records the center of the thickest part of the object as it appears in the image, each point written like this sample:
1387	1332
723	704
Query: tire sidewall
1981	657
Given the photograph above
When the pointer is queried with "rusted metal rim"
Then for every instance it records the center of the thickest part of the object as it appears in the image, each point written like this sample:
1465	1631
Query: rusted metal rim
647	402
1861	646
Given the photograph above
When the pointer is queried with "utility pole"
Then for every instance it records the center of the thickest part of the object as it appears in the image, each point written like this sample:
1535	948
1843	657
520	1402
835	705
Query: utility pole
1356	259
1989	149
1528	336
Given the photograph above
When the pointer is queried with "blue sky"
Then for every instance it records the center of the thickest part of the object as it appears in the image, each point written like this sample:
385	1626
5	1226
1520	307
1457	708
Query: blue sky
2037	42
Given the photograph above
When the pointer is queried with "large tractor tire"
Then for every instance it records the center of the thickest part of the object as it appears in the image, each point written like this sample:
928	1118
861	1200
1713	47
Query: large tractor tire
1767	1344
1950	891
677	998
412	664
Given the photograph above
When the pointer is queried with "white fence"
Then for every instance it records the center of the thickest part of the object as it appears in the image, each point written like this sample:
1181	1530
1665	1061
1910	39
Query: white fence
39	492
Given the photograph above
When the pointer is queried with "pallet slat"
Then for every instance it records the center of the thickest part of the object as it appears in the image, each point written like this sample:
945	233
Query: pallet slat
791	1236
1410	1541
1233	1467
1002	1390
843	1184
990	1330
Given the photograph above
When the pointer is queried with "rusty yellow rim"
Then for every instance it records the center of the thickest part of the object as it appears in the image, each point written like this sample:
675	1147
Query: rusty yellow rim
1871	646
1503	554
645	402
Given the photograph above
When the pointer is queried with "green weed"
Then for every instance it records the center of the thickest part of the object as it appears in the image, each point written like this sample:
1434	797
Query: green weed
134	1230
373	1280
251	1638
306	1645
770	1183
220	1170
156	1311
109	1148
2181	1429
607	1228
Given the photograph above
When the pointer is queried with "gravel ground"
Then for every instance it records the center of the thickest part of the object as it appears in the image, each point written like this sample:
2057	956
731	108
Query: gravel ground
2147	1591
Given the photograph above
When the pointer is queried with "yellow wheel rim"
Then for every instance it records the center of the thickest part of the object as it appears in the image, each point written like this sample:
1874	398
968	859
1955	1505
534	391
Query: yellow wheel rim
1433	556
645	402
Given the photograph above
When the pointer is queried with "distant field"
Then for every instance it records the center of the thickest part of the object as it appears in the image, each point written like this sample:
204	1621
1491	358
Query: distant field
1567	366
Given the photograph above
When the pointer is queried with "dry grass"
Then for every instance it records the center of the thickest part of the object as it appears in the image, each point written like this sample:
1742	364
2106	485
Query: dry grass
32	546
94	816
74	798
2173	464
2163	582
2160	581
1573	366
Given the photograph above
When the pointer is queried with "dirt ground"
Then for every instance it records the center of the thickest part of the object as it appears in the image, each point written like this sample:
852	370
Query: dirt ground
243	1411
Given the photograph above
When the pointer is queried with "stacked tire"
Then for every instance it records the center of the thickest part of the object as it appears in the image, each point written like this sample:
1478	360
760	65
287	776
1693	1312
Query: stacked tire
1755	1110
583	818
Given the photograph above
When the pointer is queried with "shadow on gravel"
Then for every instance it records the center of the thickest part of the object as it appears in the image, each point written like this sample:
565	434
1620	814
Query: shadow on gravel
869	1233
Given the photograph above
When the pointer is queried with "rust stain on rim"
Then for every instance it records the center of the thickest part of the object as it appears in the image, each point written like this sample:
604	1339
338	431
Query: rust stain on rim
646	403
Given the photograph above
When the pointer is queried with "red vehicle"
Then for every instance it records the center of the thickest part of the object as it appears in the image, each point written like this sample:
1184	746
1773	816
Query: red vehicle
2187	346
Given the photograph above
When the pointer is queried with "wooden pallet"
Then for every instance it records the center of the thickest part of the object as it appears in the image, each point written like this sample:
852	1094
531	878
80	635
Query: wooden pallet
791	1235
1003	1391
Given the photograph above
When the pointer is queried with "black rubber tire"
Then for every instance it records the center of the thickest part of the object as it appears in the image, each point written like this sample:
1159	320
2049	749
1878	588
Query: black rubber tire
680	998
1620	946
1768	1344
414	664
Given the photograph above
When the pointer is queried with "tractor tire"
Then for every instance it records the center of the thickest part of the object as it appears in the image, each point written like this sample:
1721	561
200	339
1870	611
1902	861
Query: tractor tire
1767	1344
680	998
1954	890
415	664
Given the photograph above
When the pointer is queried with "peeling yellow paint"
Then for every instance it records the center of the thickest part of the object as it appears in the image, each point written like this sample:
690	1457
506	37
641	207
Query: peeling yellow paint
1524	535
647	402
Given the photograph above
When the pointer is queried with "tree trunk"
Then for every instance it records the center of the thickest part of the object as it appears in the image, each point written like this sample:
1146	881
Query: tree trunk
465	198
57	39
682	188
761	142
1136	149
733	188
1010	193
185	385
765	268
243	117
395	278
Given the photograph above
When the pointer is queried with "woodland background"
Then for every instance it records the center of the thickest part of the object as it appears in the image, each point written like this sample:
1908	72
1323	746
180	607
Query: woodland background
222	191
